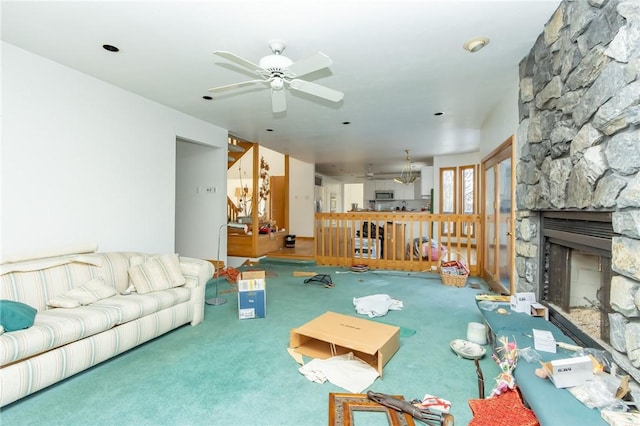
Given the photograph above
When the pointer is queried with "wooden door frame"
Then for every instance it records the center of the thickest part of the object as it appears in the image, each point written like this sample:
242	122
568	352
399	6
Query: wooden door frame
505	150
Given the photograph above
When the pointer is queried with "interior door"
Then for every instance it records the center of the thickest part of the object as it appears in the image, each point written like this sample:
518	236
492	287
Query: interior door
498	218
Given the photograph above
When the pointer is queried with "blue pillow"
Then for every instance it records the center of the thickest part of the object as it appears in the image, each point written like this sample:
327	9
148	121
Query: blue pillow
15	315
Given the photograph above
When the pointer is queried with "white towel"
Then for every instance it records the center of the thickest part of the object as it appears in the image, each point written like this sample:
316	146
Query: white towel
376	305
345	371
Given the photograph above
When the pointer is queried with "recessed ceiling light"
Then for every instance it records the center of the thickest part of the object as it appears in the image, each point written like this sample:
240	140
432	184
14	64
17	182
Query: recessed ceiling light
438	113
207	97
110	48
475	44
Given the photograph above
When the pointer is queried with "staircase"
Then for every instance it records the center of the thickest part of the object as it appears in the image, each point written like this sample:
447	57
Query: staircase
236	149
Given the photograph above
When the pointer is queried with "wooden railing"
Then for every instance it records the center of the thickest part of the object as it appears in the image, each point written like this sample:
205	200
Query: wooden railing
232	211
406	241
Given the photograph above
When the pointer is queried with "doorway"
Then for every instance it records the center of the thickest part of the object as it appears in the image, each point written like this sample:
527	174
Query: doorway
499	218
199	199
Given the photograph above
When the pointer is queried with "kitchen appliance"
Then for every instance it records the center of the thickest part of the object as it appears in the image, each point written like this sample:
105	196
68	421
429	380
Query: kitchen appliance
385	195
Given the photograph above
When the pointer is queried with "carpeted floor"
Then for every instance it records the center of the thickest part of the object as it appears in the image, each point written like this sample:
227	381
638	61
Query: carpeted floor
228	371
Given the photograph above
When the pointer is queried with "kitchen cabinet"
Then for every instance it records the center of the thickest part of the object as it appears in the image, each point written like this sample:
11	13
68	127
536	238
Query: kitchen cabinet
401	191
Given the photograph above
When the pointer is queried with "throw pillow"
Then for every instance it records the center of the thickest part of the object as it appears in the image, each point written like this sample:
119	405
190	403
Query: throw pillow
505	409
15	315
158	273
85	294
133	261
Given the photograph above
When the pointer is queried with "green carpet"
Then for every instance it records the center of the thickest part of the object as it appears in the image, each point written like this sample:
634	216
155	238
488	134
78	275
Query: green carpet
228	371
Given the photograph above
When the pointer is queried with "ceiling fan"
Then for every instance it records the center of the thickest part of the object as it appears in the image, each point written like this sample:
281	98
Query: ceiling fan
278	72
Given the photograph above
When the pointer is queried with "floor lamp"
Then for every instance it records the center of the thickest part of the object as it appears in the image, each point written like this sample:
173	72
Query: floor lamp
215	301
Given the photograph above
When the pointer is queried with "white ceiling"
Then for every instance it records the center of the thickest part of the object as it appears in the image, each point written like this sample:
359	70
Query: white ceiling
397	62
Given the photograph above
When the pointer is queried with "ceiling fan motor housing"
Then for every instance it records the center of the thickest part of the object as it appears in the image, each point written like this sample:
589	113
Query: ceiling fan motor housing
275	63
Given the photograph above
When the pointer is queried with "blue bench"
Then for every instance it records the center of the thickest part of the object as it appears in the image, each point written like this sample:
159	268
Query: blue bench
551	405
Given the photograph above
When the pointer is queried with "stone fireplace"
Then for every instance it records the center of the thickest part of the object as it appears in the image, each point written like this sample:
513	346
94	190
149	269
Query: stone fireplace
579	161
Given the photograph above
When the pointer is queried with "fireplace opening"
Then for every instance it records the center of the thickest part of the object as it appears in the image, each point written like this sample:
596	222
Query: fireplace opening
577	274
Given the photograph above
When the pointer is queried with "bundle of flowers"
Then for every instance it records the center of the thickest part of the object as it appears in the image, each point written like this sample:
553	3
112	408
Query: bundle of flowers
507	363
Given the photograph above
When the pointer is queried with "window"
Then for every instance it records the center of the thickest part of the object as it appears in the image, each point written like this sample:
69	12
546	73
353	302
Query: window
458	195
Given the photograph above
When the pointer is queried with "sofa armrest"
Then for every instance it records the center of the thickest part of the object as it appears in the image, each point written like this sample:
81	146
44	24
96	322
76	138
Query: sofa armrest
196	273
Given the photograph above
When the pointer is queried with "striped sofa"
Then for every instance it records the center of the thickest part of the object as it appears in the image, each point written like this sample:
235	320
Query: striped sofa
65	341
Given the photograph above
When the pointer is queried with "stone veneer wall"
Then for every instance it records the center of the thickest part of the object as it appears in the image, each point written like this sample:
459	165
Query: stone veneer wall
579	146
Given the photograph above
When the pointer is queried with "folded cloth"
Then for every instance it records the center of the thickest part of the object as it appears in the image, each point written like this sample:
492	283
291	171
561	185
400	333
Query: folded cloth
37	264
81	248
376	305
345	371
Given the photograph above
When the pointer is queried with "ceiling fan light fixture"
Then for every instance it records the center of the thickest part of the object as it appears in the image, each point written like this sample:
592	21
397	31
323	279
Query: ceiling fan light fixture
476	44
407	176
277	83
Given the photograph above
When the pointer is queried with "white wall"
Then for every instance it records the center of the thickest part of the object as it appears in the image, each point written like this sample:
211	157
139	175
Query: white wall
199	196
301	198
354	193
502	120
85	161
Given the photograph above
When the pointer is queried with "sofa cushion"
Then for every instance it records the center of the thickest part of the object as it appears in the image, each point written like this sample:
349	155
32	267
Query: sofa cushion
158	273
134	306
15	315
53	328
84	294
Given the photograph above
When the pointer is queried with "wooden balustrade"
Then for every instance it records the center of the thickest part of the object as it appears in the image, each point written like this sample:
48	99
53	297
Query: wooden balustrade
232	211
406	241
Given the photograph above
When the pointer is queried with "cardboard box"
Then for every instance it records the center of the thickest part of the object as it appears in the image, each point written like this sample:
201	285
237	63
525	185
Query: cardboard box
252	295
333	334
538	310
520	301
543	340
569	372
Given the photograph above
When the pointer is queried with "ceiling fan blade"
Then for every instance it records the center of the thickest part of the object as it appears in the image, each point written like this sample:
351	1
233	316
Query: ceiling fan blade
310	64
278	101
235	86
316	90
239	61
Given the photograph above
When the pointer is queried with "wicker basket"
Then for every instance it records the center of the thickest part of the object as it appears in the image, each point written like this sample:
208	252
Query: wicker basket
458	279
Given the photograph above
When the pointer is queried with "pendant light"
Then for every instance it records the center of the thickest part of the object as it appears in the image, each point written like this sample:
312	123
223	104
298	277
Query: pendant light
407	176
